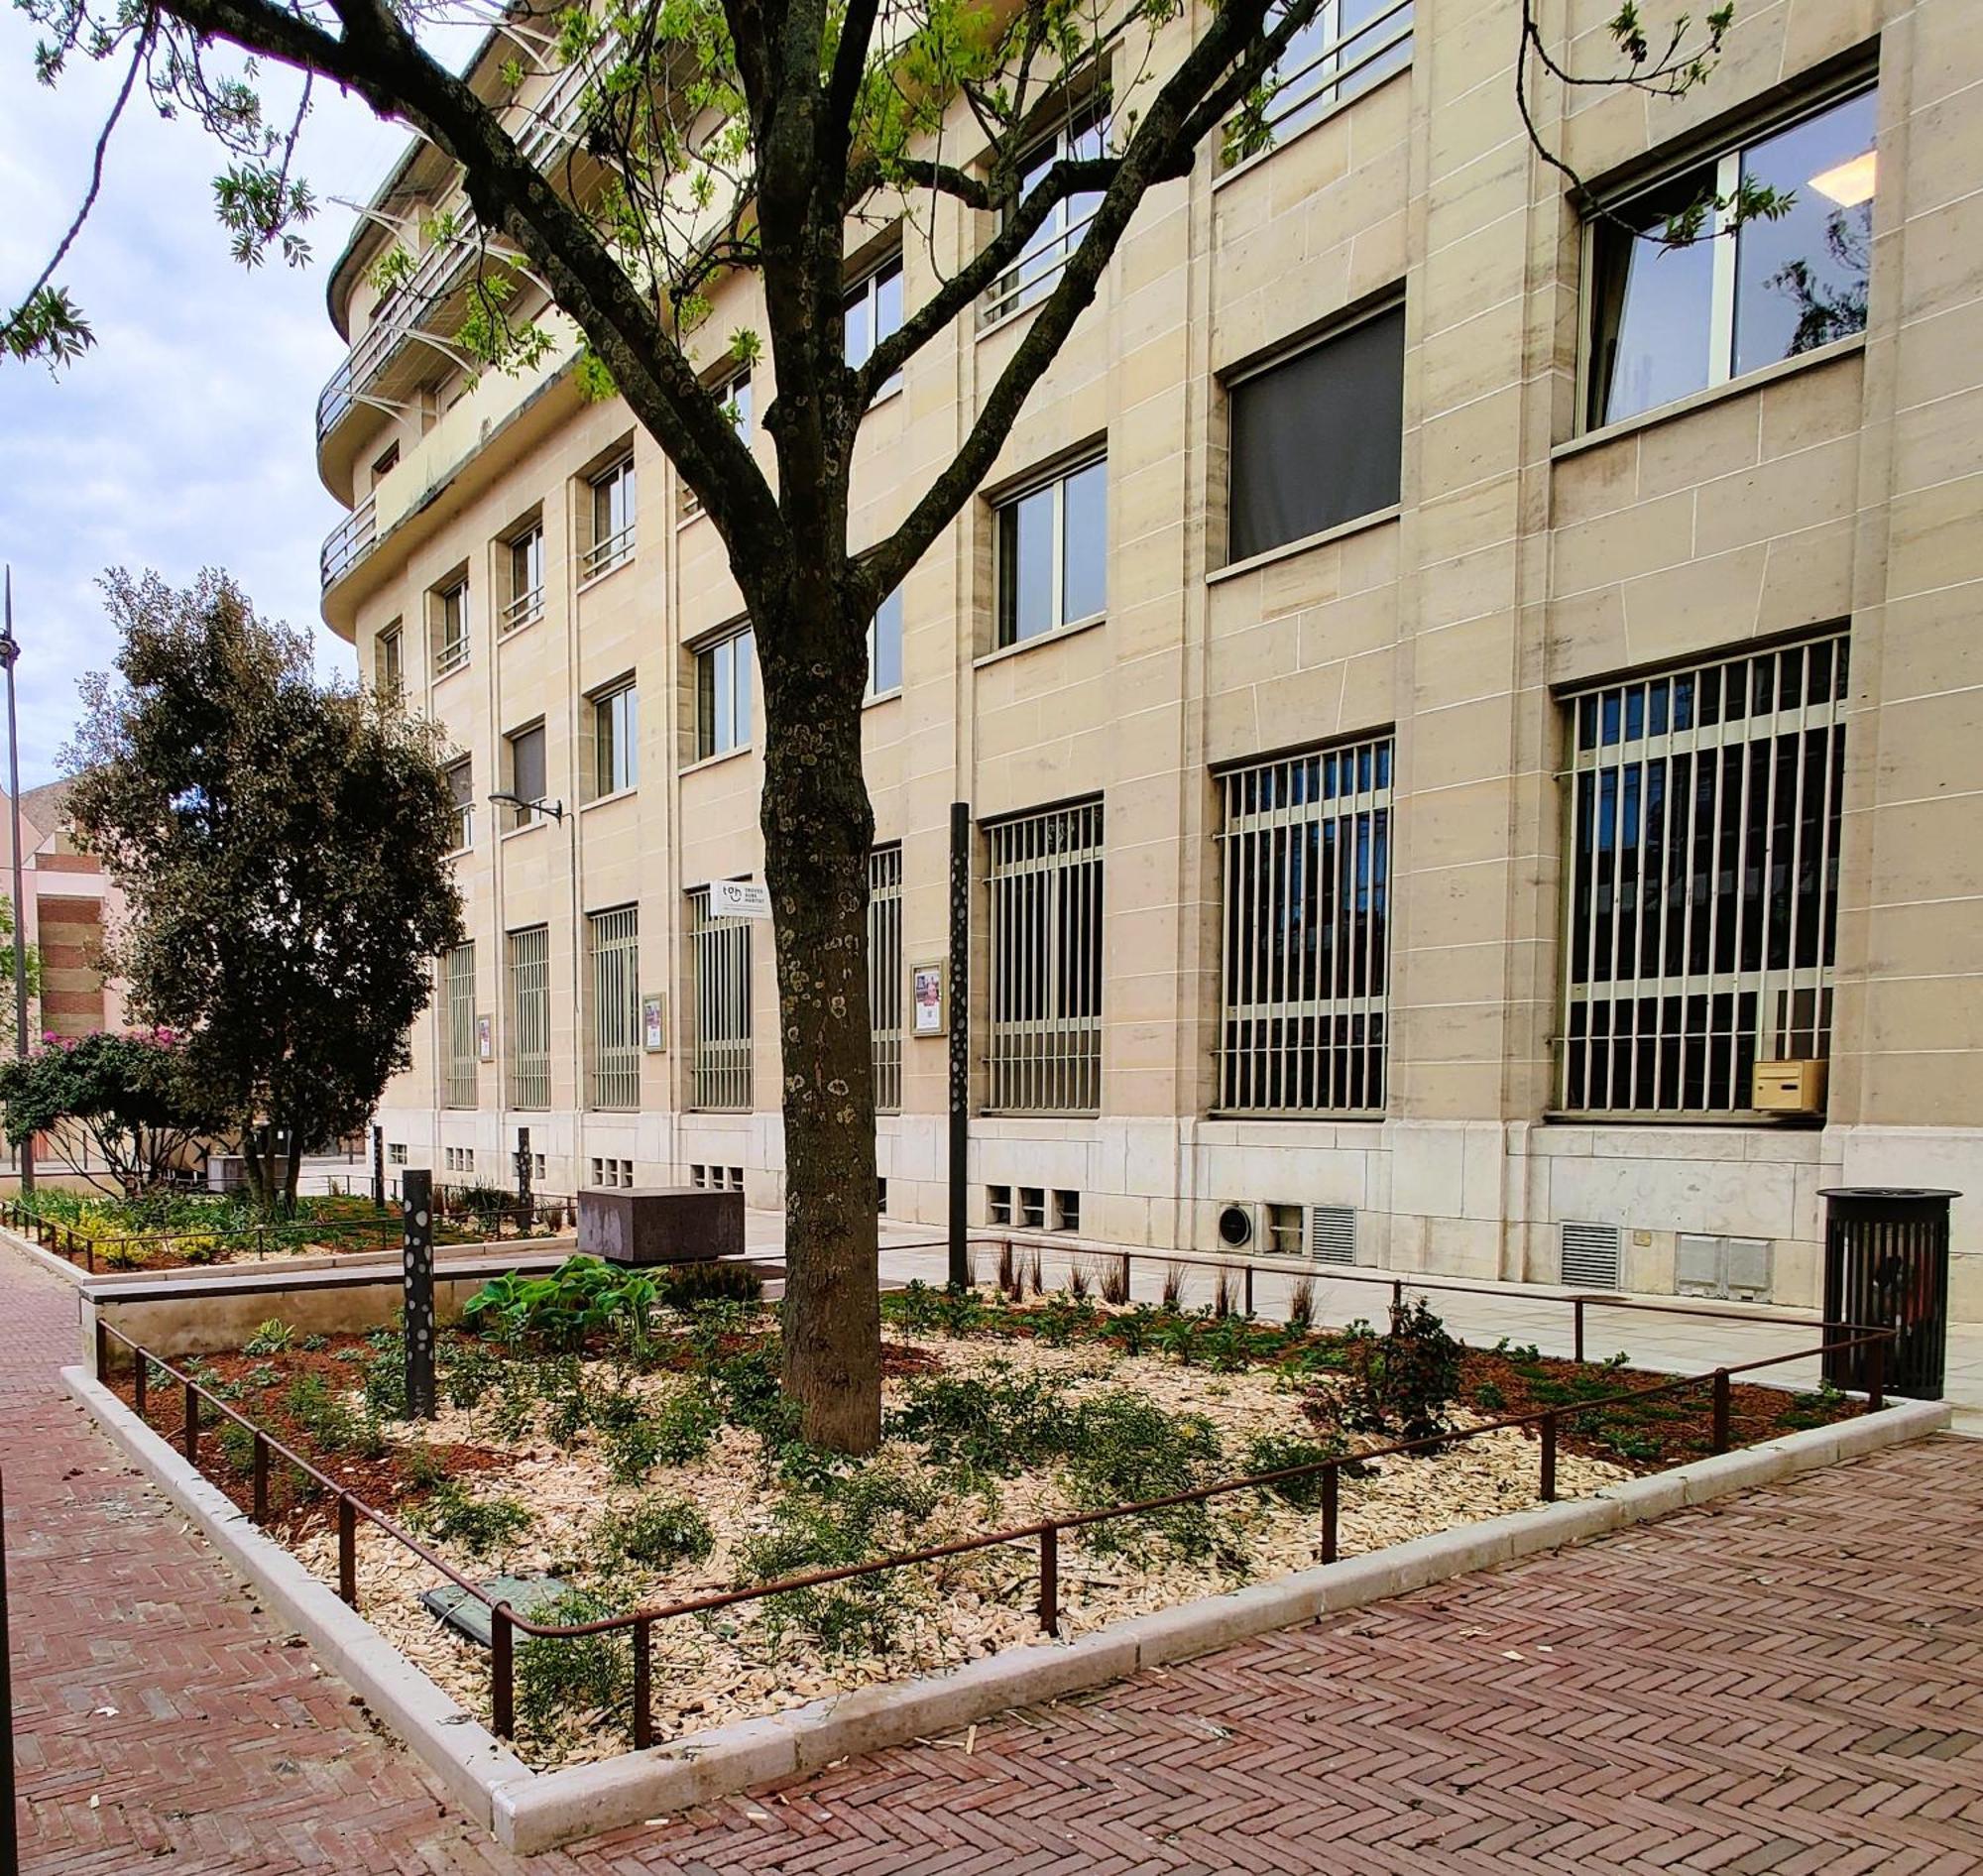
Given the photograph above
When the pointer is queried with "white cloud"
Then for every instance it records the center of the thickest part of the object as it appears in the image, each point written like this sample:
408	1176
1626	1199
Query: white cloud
185	438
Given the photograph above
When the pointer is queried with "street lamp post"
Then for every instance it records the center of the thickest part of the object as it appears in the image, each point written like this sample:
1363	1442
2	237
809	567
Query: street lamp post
10	652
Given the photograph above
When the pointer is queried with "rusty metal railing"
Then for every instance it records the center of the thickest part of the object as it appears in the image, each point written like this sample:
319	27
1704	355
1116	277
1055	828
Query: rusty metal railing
505	1623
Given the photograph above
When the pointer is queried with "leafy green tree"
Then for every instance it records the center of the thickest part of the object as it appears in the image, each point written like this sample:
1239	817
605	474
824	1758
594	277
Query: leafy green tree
765	137
121	1104
283	846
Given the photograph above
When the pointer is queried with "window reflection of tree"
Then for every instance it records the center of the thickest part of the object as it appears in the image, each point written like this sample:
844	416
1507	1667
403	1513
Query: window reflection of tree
1831	300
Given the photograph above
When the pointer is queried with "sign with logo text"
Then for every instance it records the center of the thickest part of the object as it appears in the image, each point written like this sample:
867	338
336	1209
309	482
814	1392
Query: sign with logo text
739	898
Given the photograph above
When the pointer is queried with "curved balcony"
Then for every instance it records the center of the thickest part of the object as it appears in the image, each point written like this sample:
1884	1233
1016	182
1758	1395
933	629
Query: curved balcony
371	369
348	542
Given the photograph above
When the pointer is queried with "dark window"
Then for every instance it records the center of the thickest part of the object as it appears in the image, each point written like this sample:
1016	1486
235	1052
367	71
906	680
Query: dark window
526	770
1317	439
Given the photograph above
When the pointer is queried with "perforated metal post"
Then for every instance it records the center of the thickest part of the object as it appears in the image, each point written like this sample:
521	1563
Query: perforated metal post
378	1168
523	1199
1050	1581
1330	1490
1548	1492
417	1225
1720	1430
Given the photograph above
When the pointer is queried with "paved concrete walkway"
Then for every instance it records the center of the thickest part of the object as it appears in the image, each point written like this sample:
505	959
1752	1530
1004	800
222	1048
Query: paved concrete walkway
1789	1684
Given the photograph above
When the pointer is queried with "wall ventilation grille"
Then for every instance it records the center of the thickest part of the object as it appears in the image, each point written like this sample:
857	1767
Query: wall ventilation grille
1590	1256
1332	1234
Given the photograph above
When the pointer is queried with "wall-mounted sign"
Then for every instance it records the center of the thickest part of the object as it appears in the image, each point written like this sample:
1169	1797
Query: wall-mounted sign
739	898
653	1021
926	1000
484	1039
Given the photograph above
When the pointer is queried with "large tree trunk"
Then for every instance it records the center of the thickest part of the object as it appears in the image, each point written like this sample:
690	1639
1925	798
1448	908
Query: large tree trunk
818	828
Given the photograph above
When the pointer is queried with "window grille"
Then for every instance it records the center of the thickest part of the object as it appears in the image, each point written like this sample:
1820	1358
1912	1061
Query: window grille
451	629
1046	962
612	521
531	1018
461	1051
885	974
1307	882
616	1007
525	603
1346	46
1703	902
720	1076
1081	137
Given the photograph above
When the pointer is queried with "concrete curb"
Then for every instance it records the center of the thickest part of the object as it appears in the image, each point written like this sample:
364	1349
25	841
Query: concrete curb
470	1761
531	1812
386	1261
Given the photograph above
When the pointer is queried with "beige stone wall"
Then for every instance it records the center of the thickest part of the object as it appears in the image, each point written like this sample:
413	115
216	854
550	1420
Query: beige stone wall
1523	558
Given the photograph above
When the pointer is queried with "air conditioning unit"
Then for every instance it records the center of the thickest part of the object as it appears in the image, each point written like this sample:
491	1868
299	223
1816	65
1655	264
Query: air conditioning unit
1329	1234
1787	1087
1592	1256
1242	1225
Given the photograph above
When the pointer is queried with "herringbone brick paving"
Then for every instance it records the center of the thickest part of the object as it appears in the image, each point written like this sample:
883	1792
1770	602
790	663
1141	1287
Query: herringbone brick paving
1788	1684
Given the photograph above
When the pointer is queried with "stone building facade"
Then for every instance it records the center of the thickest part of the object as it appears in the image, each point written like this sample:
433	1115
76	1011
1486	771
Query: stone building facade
1473	724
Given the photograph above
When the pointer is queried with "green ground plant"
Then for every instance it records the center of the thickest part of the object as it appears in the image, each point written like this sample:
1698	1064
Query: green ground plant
575	1678
657	1531
482	1526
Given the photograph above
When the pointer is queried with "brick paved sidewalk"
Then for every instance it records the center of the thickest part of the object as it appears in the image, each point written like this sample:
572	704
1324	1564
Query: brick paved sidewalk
1792	1683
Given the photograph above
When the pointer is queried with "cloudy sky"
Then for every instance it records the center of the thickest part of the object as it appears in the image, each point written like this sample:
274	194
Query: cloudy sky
185	438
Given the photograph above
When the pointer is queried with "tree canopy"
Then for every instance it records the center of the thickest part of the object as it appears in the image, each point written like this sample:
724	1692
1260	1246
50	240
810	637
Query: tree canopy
283	847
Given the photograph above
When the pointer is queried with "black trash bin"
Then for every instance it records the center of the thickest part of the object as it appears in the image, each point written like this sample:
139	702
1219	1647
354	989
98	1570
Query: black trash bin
1885	1266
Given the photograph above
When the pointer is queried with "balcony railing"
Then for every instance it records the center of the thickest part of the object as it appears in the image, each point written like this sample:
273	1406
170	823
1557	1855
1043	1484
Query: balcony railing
524	610
603	555
348	542
450	657
439	271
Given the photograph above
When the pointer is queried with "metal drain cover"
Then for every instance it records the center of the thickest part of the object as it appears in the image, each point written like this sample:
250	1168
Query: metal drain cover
471	1616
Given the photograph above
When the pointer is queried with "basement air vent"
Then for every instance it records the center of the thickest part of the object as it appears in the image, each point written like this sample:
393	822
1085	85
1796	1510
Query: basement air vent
1590	1256
1332	1234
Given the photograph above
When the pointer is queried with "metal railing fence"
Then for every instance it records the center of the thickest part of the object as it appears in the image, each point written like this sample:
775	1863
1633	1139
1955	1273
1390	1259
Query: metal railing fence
505	1623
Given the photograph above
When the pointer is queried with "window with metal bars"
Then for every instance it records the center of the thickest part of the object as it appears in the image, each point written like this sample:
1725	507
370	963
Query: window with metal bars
612	520
531	1018
1346	46
1701	901
885	974
1046	961
1306	842
616	1007
459	969
720	953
